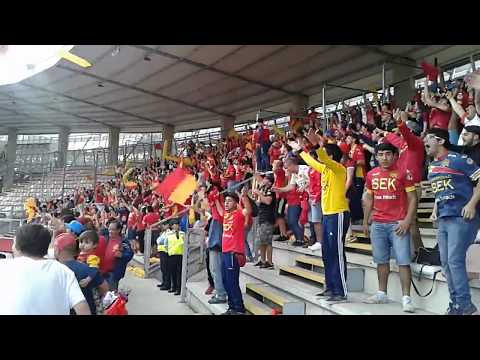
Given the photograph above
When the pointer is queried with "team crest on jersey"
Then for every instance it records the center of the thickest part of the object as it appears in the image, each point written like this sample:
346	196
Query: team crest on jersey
469	161
445	162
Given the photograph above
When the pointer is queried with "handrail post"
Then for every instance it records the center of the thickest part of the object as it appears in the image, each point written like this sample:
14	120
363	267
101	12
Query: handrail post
183	293
63	180
147	252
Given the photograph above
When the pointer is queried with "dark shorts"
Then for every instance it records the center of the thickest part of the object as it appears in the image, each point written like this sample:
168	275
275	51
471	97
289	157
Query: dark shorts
265	234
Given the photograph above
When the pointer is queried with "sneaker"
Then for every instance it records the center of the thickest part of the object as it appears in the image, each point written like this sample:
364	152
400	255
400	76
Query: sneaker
282	238
160	285
325	293
469	310
177	292
164	288
266	265
228	312
407	304
378	298
452	310
216	300
337	298
315	247
209	290
260	263
297	243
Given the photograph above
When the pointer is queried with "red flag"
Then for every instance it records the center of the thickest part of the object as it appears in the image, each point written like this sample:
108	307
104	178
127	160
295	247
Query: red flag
177	187
431	72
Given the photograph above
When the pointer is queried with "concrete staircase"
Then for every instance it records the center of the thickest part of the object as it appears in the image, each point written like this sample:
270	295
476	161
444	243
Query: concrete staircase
299	276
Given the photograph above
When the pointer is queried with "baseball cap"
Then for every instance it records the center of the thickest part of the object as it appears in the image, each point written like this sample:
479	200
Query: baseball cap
64	240
473	129
75	227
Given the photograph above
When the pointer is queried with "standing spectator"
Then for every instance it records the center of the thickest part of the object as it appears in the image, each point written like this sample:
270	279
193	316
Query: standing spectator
266	220
357	157
262	139
391	194
452	176
315	213
33	285
468	117
293	199
215	233
233	243
281	201
150	221
440	113
471	143
336	215
411	159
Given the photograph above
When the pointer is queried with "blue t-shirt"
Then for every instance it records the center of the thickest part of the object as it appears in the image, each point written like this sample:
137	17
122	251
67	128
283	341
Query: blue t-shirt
81	271
452	181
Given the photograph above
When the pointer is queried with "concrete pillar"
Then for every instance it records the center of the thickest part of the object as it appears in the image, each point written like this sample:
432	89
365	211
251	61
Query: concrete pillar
227	124
298	103
63	135
113	141
11	157
405	90
167	135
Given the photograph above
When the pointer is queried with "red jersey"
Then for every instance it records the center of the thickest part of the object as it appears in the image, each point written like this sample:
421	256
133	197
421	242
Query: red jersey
411	152
389	190
280	178
239	173
233	239
439	119
314	185
150	219
132	220
101	247
107	264
357	154
230	172
140	224
293	197
274	153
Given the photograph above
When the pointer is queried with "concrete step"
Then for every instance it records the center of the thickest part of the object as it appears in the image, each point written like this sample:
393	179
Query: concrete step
302	273
255	307
275	299
319	306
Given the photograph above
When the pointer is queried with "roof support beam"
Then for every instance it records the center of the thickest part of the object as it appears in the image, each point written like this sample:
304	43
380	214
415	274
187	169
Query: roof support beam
56	110
218	71
151	93
104	107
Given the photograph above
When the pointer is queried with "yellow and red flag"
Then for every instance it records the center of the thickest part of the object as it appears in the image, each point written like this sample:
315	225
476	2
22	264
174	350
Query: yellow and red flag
177	187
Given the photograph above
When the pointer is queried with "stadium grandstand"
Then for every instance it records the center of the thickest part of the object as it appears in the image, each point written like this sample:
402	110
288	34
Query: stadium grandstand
162	139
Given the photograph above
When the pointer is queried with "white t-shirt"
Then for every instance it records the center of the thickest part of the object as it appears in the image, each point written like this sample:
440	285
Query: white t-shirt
475	121
37	287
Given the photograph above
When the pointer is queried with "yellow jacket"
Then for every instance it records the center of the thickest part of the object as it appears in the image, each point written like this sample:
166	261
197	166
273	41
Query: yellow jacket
334	177
174	244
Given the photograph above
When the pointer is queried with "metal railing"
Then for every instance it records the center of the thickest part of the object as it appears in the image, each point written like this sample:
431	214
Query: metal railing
193	261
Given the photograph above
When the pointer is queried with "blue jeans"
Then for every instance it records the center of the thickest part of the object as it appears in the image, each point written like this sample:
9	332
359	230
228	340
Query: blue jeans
384	238
231	282
454	236
132	234
216	270
248	252
293	215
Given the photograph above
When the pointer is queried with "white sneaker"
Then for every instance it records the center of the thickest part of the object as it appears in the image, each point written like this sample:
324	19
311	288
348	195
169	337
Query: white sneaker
315	247
378	298
407	304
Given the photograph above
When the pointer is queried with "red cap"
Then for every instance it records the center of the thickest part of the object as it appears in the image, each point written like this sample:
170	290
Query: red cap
64	240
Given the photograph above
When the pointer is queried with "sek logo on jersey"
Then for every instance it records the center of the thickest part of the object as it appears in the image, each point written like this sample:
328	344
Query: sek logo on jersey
441	185
384	184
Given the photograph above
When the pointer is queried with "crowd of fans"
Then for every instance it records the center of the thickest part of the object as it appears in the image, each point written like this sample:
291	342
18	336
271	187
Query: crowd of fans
363	167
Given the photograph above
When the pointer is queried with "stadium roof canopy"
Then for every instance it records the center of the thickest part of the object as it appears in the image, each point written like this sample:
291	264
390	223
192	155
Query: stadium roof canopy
138	88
